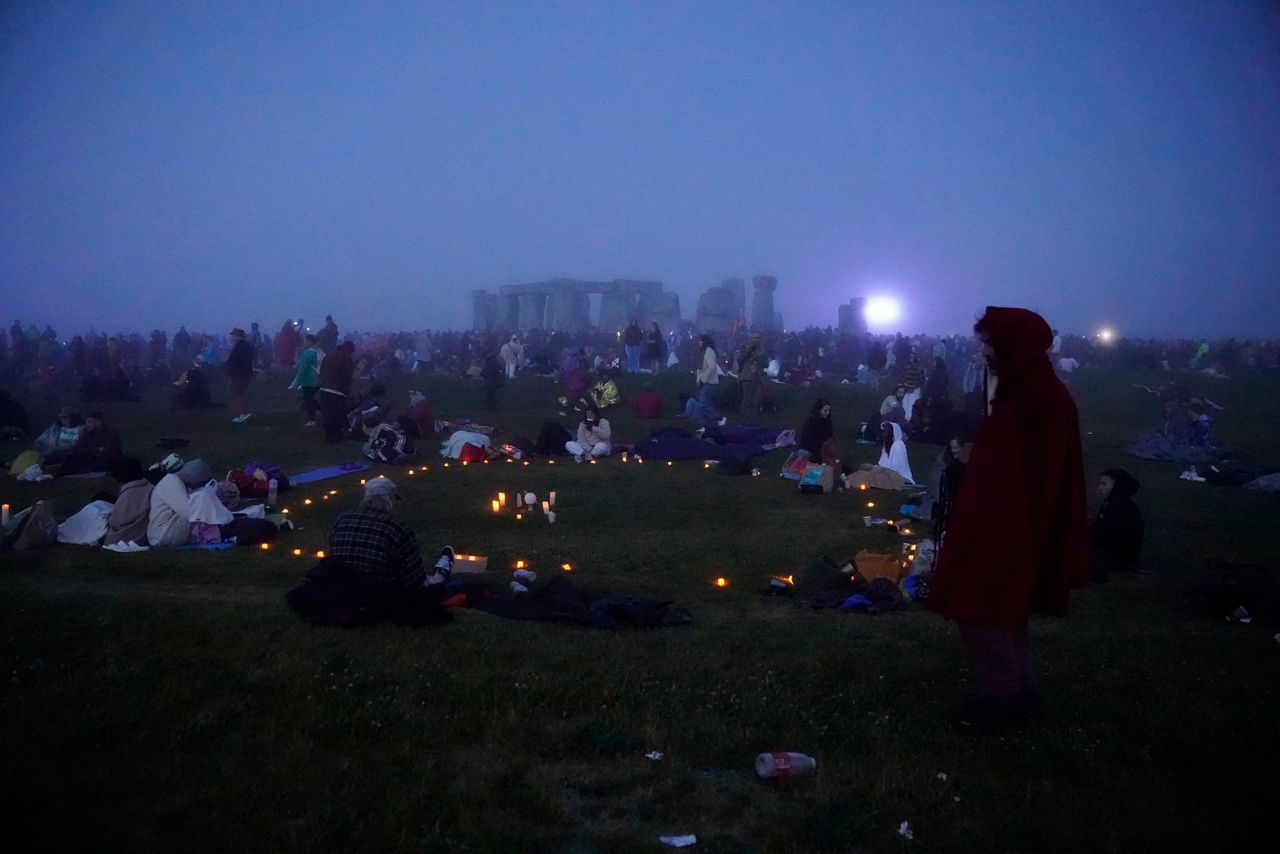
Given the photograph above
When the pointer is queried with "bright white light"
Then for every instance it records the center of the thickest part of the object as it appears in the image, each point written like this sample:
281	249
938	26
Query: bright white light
882	311
1106	336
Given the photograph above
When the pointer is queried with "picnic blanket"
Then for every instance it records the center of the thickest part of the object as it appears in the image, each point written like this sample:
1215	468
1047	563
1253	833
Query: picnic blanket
327	472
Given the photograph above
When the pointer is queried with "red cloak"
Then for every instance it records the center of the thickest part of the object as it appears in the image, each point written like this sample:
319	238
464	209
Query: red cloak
1016	541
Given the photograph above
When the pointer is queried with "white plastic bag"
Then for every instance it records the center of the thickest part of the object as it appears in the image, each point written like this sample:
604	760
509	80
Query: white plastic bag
205	506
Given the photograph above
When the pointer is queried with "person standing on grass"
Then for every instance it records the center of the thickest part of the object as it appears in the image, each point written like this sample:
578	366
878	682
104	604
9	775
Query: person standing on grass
240	374
632	339
336	372
1017	537
308	378
708	378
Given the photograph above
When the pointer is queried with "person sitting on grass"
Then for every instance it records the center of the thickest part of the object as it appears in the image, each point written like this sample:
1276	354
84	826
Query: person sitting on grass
132	509
593	438
387	443
95	450
893	455
380	557
816	430
893	408
62	434
192	389
604	394
1116	533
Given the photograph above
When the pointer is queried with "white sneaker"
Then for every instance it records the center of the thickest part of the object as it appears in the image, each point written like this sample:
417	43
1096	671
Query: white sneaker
723	421
517	587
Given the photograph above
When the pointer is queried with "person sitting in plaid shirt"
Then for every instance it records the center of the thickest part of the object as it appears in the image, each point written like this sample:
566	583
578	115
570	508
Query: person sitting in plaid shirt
371	541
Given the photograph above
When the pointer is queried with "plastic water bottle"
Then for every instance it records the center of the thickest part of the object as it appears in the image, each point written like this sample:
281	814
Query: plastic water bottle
769	765
273	486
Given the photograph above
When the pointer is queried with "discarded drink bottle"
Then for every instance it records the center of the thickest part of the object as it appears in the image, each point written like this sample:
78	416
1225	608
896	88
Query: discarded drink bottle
273	486
769	765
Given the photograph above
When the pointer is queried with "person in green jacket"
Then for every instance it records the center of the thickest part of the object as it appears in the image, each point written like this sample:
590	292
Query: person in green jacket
308	377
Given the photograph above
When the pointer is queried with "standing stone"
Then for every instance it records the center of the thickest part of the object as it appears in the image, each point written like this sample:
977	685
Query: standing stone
738	306
484	310
508	312
532	309
762	302
844	318
616	310
716	310
568	312
858	308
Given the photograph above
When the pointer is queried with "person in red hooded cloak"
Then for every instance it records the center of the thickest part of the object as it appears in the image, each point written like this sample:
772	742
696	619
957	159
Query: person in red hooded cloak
1016	541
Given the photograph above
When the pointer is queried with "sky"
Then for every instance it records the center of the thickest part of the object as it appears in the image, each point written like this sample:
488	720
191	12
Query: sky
1105	163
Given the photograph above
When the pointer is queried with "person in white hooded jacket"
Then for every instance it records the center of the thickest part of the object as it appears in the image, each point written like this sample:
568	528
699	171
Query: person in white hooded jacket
169	524
894	453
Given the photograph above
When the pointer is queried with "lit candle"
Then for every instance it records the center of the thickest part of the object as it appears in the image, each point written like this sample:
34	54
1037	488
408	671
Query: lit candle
552	496
510	460
502	500
320	554
706	465
624	456
297	552
285	511
363	481
497	507
566	567
526	462
722	582
871	504
265	546
446	465
551	462
466	462
551	517
670	463
519	516
594	461
306	501
4	513
519	564
410	472
546	507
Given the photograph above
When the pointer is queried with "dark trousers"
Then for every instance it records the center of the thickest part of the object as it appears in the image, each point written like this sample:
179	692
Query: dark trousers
309	405
1001	659
333	409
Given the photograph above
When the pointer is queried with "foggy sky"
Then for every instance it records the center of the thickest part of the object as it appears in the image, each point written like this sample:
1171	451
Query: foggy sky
214	164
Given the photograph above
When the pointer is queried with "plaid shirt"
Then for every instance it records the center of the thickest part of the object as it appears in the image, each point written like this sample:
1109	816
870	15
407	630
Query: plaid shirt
373	542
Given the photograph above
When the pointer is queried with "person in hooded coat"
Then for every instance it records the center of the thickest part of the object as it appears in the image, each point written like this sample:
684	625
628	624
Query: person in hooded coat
1017	537
894	453
1116	533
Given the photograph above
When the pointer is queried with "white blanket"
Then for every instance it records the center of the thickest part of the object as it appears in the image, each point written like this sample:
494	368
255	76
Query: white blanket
88	526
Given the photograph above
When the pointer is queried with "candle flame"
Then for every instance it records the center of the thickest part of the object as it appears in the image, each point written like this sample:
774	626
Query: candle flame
566	567
320	554
297	552
722	582
519	564
265	546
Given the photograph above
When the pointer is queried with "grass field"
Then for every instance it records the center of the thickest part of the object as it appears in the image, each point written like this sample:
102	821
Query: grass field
170	701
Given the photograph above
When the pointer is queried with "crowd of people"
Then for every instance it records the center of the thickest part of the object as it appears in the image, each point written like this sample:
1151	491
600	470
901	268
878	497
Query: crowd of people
972	396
